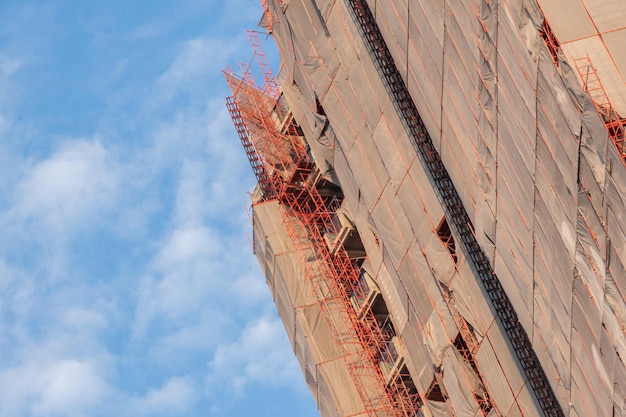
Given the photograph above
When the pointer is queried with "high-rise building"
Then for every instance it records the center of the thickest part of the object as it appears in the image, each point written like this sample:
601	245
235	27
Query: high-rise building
440	210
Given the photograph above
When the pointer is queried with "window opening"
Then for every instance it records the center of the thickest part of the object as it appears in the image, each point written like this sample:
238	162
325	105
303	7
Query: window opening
434	392
405	383
445	235
551	41
319	109
464	350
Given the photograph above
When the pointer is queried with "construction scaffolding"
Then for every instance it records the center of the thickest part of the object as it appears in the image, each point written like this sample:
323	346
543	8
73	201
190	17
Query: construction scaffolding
456	213
439	210
286	173
615	125
548	36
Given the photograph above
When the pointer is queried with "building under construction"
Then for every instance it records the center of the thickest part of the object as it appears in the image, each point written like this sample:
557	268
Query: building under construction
440	209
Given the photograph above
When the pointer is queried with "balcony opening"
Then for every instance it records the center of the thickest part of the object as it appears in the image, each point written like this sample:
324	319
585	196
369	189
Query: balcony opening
366	297
460	345
482	398
318	108
445	235
551	41
434	392
331	193
340	231
379	308
388	352
405	384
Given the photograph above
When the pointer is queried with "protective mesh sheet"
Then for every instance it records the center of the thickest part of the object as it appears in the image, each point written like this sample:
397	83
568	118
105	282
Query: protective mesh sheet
530	158
307	329
460	382
340	387
393	292
495	379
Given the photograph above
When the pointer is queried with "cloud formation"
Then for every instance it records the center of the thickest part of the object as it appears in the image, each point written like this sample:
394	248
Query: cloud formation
57	388
258	356
127	285
75	184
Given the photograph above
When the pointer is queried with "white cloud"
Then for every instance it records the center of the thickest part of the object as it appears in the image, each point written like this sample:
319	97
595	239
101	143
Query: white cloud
189	71
197	266
182	278
53	200
62	387
202	142
71	387
260	355
73	185
186	246
164	178
47	385
191	198
197	338
175	397
200	286
80	320
145	32
196	271
8	67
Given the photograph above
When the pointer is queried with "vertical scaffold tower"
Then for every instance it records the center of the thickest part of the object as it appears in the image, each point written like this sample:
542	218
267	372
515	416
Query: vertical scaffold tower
615	125
287	174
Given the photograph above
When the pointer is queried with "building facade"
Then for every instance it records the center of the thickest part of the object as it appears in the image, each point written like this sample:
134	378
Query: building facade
441	202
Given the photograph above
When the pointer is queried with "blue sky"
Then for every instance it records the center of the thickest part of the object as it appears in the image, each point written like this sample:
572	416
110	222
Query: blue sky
127	283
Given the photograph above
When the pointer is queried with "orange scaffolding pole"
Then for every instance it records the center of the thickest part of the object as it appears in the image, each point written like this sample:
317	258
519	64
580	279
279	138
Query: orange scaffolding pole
551	41
287	174
615	125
